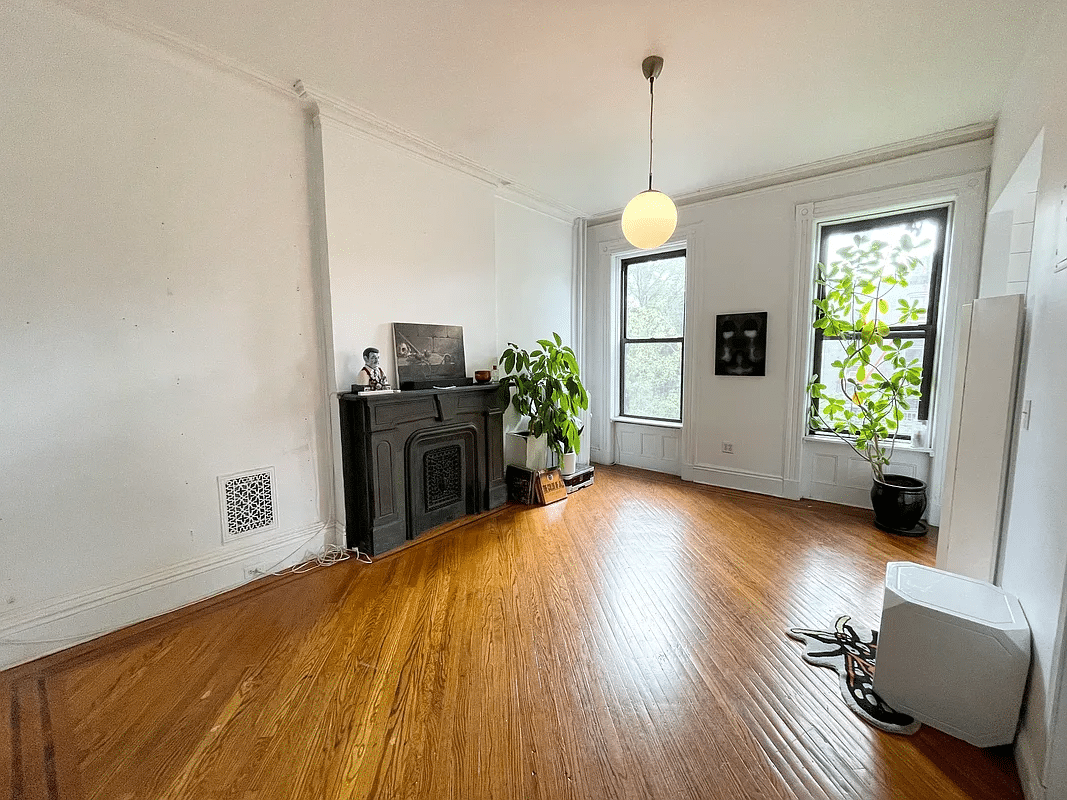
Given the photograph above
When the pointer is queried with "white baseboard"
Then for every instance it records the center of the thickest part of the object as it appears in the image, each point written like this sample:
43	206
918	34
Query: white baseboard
650	463
744	480
791	489
933	513
77	618
1029	773
842	495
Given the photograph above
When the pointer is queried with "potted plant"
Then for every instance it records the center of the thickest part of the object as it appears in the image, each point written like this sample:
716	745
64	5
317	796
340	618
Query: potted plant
875	380
545	385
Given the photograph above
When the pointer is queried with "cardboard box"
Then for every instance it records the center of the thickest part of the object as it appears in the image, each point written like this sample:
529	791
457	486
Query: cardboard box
550	486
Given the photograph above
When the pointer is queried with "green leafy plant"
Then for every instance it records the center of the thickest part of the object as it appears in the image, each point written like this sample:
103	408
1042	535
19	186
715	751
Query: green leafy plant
877	378
546	386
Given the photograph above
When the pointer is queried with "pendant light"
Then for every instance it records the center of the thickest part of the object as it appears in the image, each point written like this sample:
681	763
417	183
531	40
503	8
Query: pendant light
651	217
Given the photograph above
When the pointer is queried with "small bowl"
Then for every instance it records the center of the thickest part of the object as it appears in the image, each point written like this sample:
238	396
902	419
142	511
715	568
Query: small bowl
482	375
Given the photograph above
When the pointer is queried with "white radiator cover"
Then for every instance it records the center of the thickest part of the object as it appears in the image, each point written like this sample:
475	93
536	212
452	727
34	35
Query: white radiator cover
982	428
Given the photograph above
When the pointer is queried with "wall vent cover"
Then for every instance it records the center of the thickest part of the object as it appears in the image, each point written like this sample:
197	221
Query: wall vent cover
247	500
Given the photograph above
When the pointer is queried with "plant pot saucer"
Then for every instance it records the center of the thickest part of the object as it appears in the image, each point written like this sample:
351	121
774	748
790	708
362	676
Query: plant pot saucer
921	529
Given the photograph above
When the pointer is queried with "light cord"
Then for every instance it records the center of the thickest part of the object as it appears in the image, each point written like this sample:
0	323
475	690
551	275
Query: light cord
651	107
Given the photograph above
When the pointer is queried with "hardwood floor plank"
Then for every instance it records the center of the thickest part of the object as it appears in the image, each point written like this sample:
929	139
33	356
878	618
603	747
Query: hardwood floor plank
9	733
67	769
627	643
34	773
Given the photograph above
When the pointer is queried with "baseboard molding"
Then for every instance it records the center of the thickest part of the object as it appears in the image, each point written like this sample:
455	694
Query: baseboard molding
71	620
735	479
649	463
791	489
933	513
1029	774
842	495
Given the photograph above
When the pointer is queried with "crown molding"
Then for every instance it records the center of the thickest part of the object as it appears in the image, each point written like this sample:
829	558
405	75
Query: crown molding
352	117
829	166
96	11
369	125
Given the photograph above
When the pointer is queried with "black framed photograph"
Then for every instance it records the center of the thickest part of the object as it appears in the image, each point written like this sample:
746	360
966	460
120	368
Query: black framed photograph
429	355
741	344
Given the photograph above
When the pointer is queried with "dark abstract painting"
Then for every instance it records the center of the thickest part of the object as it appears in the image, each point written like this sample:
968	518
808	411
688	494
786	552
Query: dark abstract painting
741	344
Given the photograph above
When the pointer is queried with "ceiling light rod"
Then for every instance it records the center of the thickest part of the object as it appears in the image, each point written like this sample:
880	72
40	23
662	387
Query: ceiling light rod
650	218
651	67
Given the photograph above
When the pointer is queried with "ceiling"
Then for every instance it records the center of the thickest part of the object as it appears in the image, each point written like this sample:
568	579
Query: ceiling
550	94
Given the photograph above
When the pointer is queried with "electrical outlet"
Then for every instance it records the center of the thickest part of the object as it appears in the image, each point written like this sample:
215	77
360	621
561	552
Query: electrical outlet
253	572
728	447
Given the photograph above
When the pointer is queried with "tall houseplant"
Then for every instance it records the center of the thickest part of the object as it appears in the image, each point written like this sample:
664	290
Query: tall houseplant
872	385
545	385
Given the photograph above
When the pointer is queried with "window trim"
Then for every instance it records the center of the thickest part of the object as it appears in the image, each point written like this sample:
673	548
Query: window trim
672	251
927	331
965	191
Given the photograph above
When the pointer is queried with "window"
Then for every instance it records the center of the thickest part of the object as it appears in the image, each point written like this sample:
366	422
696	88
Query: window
653	319
854	243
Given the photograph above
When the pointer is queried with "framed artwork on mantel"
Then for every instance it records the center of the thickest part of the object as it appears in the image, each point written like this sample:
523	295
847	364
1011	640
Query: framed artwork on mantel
429	356
741	344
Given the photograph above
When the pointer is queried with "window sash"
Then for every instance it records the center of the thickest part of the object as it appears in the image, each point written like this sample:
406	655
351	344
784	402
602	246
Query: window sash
625	340
926	331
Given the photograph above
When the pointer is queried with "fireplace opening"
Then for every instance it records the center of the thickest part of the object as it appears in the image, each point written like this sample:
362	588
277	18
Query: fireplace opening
441	477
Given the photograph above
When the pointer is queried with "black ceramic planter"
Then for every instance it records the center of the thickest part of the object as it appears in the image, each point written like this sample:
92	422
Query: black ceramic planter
899	503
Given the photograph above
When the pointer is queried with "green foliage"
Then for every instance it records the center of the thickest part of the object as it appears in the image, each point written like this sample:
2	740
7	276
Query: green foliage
545	385
877	377
653	380
655	308
655	299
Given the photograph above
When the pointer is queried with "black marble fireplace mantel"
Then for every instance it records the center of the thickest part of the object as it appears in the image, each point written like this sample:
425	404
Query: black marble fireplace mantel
417	459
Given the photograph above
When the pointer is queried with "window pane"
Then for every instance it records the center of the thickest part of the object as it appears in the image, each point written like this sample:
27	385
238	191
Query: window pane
922	234
834	350
655	298
652	380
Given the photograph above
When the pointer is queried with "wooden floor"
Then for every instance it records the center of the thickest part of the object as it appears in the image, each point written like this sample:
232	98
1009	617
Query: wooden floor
625	643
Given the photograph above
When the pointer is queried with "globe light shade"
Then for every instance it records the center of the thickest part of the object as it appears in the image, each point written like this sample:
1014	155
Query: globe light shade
649	219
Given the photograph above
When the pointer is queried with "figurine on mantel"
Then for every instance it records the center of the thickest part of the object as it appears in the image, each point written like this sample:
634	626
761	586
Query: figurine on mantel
372	377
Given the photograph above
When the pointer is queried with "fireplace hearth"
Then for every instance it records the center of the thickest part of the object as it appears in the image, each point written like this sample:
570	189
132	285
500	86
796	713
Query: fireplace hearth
417	459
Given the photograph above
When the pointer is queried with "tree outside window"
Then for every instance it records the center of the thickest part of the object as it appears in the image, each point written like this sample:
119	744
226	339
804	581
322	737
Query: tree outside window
653	321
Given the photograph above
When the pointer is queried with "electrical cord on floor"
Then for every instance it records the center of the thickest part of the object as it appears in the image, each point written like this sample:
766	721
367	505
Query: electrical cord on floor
329	555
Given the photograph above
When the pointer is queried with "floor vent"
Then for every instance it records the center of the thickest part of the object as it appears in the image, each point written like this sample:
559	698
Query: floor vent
247	503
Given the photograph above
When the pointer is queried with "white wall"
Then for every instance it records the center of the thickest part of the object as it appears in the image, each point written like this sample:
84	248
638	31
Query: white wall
535	283
1034	550
742	257
534	276
409	241
414	241
157	321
